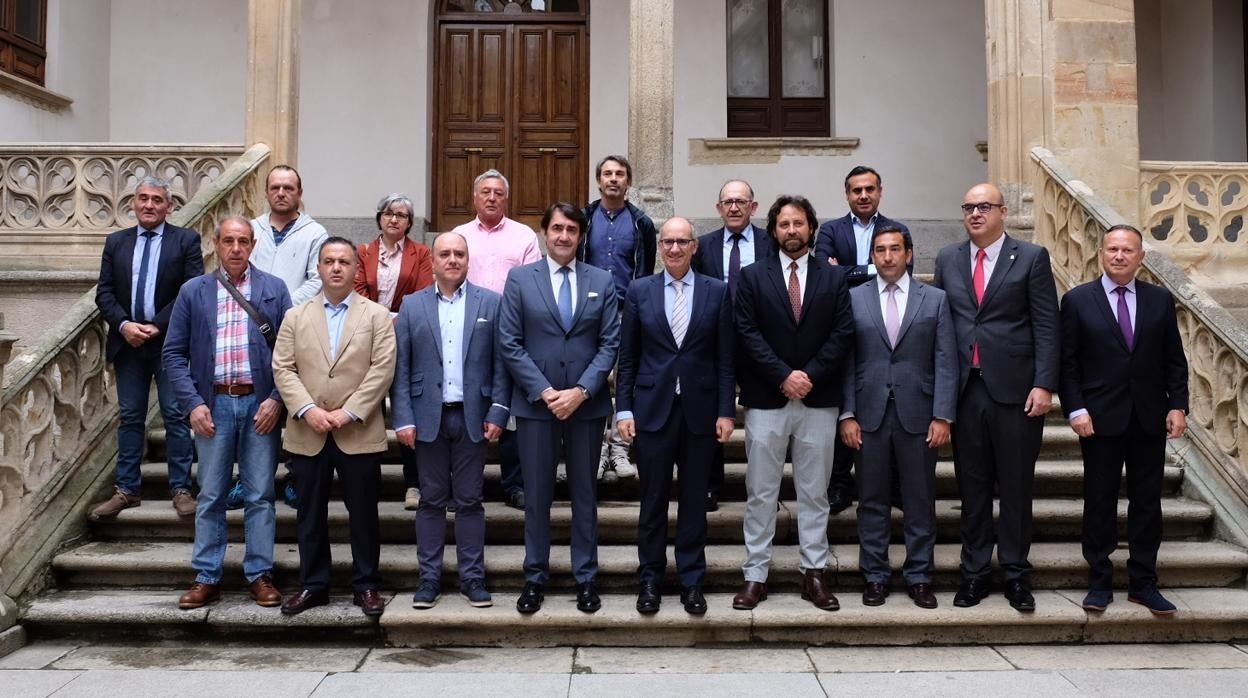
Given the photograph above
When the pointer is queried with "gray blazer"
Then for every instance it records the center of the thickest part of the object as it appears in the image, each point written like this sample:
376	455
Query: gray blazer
416	394
540	354
921	373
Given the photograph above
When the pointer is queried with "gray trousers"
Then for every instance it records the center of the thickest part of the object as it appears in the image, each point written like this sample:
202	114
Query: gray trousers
452	474
768	434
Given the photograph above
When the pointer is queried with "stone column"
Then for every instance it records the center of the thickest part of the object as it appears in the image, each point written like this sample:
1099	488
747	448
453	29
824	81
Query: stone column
651	51
273	78
1062	74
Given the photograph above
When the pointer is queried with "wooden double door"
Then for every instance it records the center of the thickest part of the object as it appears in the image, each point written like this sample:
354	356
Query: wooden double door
513	97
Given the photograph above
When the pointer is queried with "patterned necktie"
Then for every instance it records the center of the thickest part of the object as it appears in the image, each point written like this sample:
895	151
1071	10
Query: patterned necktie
680	318
140	290
734	264
565	300
977	282
795	293
1124	318
892	318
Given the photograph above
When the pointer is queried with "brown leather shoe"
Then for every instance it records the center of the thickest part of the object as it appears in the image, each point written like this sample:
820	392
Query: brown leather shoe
305	599
922	595
874	594
264	593
113	506
751	594
370	601
200	594
815	591
184	503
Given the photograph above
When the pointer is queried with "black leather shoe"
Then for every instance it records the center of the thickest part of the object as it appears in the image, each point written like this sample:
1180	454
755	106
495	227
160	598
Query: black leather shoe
305	599
370	601
838	501
1020	596
587	600
531	598
693	600
923	596
712	502
971	592
515	500
648	598
874	594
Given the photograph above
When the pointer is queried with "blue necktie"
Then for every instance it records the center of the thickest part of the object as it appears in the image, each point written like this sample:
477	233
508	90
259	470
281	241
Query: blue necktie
565	300
140	291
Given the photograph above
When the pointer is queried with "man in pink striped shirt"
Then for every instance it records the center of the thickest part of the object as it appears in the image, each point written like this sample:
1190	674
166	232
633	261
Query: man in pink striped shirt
496	245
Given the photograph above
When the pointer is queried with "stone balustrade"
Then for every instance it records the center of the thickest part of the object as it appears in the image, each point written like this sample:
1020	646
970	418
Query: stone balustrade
1195	212
1070	220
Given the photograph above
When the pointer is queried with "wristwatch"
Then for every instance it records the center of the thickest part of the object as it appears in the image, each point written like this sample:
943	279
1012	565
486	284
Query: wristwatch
584	392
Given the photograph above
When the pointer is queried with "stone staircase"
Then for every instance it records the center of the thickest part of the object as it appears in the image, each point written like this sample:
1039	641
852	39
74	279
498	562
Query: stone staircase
124	581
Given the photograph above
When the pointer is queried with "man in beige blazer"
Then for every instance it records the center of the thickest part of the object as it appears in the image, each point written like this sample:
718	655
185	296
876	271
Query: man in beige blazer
333	364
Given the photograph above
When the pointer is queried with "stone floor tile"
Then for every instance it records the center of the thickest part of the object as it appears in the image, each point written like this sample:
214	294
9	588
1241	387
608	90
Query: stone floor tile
1016	684
270	684
1160	682
36	656
20	683
547	660
656	660
386	684
213	658
905	659
685	685
1078	657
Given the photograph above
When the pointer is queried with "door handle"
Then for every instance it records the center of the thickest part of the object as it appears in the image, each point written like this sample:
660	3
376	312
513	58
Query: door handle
473	150
547	150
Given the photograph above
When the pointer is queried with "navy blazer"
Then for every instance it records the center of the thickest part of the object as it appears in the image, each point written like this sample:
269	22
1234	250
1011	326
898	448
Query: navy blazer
651	363
416	394
180	261
189	354
540	354
836	239
709	259
1101	375
773	345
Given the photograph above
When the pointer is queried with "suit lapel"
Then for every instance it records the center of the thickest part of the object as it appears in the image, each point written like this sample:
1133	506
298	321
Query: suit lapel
168	249
1005	260
715	255
354	314
541	278
582	292
779	276
125	260
659	310
700	312
917	292
407	269
963	261
472	303
320	327
851	241
1101	301
429	304
872	299
814	276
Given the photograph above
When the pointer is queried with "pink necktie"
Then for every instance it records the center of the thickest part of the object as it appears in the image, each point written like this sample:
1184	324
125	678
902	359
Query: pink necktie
892	318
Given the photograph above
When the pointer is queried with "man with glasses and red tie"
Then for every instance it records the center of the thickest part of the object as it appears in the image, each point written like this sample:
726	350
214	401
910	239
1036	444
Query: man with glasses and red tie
1004	305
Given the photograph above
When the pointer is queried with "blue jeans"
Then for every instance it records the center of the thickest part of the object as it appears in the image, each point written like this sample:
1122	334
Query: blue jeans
235	439
134	370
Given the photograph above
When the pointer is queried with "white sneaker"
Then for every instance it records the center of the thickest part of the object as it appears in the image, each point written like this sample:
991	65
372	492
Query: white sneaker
623	467
411	499
561	473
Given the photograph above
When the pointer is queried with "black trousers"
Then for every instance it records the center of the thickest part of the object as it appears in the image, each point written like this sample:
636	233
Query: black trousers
360	475
1103	458
658	454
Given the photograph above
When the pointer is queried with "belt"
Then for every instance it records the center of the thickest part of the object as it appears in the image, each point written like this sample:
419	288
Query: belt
453	405
234	389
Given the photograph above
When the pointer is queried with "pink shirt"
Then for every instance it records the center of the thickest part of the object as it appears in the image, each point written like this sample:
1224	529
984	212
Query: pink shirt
492	252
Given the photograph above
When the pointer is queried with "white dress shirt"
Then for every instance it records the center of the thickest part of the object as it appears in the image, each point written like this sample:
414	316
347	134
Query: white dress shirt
990	261
802	263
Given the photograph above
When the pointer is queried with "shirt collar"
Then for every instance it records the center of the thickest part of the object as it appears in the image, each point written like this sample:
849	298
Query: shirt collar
483	227
801	261
747	234
459	293
858	222
386	251
555	266
668	278
346	302
903	284
1109	285
992	251
158	230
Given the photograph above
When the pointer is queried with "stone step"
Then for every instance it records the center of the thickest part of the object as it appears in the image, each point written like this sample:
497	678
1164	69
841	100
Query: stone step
1054	478
1054	519
1057	566
1205	614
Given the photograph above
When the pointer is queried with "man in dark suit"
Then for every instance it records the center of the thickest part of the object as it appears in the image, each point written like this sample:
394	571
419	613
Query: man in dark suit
1004	305
449	398
900	395
141	270
220	365
795	326
559	331
846	242
722	254
1124	390
676	397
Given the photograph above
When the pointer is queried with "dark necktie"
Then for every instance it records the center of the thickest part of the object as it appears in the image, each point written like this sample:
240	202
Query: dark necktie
1124	318
140	290
565	300
734	264
795	293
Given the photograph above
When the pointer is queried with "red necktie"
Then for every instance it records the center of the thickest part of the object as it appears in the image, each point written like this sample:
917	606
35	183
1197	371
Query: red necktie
795	293
977	282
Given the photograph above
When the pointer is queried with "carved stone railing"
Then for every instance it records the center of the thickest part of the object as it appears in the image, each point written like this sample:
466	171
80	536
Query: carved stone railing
1070	221
58	408
1196	212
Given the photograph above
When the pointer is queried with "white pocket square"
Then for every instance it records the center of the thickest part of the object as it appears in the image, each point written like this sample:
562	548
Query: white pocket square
593	294
481	319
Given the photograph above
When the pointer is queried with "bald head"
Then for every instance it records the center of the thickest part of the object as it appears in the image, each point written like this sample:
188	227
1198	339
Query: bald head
677	243
983	214
450	262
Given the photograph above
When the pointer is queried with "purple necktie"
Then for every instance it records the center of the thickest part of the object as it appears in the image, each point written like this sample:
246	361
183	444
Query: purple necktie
1124	318
734	264
892	318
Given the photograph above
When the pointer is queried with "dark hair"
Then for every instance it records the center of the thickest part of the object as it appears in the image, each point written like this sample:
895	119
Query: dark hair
335	240
1124	226
792	200
861	170
570	212
890	228
284	168
628	168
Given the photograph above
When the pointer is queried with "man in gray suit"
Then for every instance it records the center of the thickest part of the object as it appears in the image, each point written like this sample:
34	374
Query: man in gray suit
1004	305
559	331
449	397
900	390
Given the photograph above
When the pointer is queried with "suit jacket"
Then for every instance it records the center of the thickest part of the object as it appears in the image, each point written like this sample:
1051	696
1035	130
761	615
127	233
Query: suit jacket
356	379
416	396
540	354
180	261
1101	375
836	239
921	373
651	362
415	271
709	259
1016	326
773	345
189	353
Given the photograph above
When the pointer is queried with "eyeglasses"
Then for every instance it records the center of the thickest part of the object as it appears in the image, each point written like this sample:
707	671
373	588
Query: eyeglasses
396	215
682	244
982	207
735	203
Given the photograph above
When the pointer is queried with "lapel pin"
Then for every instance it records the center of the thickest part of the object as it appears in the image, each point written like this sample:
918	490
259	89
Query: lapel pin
1011	258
